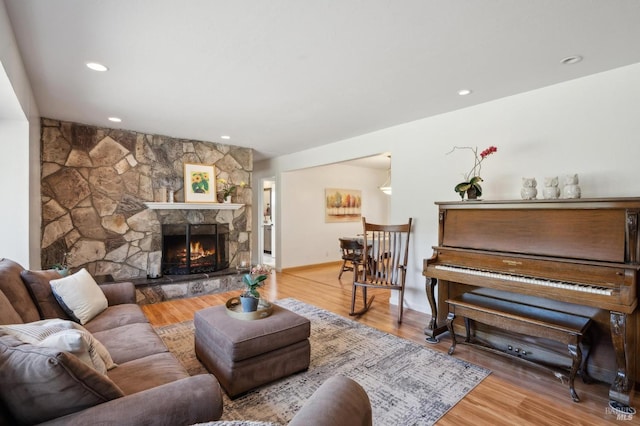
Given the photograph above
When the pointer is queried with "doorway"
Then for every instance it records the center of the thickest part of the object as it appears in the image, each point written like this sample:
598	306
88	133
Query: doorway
268	234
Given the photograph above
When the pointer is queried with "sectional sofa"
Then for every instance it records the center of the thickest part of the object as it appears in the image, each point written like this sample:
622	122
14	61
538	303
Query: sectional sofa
44	385
127	375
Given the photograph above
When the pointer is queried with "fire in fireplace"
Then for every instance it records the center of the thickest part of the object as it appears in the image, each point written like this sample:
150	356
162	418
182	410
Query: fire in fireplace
194	249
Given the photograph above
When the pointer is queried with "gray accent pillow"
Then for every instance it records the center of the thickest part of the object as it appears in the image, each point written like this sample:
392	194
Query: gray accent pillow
39	287
38	384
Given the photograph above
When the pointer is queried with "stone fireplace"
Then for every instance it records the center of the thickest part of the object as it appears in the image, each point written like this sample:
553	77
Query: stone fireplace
96	183
194	249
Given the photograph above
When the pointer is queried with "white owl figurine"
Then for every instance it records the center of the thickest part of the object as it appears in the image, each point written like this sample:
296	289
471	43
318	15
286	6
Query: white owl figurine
571	187
529	191
551	190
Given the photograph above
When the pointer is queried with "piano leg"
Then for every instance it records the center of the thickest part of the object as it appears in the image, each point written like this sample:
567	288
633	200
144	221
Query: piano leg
450	319
621	390
467	330
576	355
432	328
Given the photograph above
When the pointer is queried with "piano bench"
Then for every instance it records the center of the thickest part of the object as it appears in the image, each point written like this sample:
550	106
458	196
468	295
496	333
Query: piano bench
525	319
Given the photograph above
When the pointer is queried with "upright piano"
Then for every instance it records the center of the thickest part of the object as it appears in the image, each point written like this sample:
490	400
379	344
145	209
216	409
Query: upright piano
579	255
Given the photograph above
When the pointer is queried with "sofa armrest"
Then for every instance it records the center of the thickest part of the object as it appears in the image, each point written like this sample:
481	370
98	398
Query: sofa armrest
119	293
339	401
195	399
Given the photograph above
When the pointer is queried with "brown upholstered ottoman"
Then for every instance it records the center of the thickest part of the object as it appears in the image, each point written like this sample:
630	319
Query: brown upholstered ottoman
247	354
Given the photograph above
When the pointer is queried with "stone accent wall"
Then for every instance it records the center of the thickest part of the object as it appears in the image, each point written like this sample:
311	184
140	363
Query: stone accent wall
94	184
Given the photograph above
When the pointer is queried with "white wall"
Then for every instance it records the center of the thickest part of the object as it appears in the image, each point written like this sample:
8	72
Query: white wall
20	164
14	192
308	238
588	126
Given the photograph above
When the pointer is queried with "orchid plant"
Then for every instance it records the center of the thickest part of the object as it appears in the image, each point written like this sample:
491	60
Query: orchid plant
64	264
261	269
253	282
228	187
255	279
472	179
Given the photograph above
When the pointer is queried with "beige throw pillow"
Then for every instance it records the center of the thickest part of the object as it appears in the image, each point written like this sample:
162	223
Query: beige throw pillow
65	336
81	294
74	342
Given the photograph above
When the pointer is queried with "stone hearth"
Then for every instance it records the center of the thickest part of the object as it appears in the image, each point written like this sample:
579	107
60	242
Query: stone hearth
156	290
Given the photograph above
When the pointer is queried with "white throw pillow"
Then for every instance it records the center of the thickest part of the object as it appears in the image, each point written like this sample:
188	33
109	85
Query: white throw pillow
80	294
65	336
74	342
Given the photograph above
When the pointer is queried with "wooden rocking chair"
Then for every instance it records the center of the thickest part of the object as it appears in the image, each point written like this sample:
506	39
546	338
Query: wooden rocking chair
384	263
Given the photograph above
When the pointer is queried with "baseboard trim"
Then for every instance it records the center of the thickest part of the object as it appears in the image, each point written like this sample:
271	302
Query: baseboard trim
315	265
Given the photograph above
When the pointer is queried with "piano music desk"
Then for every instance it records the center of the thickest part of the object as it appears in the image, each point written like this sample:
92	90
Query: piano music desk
497	310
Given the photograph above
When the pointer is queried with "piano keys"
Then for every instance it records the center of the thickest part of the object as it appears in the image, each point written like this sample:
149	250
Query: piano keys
585	288
574	254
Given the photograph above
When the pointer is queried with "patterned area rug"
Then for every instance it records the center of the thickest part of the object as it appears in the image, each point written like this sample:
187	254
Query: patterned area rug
407	383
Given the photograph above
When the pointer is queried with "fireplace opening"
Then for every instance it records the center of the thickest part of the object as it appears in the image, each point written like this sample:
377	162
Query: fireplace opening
194	249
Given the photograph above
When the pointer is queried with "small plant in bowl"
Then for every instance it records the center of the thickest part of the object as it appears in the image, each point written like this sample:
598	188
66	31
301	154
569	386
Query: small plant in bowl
253	282
63	267
251	297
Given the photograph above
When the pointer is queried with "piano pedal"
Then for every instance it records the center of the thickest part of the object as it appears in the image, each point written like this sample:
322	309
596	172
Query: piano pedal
622	409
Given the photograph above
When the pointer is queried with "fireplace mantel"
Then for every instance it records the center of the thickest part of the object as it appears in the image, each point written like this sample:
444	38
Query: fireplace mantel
193	206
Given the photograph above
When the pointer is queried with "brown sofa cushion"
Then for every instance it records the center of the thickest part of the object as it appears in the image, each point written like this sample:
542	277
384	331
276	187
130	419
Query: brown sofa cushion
8	314
12	286
38	284
38	384
118	293
131	341
117	316
148	372
340	401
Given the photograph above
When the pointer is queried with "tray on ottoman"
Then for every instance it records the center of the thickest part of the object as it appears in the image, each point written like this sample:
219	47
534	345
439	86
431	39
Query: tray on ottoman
246	354
234	310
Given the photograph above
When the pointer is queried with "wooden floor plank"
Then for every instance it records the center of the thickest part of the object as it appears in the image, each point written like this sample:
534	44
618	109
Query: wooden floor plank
514	394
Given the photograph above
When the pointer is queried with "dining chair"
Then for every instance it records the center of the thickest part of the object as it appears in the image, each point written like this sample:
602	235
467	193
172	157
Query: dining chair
384	263
351	254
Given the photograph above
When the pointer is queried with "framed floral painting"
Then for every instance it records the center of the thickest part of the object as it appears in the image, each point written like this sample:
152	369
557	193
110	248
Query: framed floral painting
199	183
342	205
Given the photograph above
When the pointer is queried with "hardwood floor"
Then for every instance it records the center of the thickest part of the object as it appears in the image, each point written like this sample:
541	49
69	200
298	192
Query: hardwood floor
514	394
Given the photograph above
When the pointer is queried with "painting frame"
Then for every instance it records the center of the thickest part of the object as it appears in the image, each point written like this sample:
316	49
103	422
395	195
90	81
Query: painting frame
342	205
200	183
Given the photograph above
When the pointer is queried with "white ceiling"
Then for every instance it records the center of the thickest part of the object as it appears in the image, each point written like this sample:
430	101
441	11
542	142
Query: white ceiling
282	76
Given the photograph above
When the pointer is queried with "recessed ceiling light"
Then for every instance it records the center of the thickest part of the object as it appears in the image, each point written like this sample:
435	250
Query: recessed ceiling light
574	59
464	92
96	66
115	119
225	137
